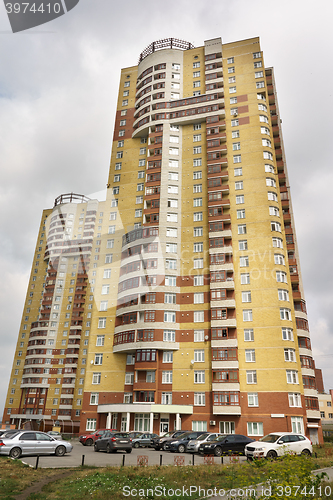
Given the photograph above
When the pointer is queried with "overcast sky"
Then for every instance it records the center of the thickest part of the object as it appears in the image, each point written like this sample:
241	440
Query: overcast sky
58	90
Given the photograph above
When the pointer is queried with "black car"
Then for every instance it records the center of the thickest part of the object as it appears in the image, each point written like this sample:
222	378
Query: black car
225	445
161	442
180	444
113	441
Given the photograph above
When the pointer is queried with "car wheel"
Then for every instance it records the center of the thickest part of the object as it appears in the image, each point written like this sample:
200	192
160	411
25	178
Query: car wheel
306	452
136	445
15	452
89	442
95	447
271	454
181	448
60	451
108	448
218	451
164	446
128	451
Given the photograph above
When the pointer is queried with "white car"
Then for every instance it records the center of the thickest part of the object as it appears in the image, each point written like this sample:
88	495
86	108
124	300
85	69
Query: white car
277	444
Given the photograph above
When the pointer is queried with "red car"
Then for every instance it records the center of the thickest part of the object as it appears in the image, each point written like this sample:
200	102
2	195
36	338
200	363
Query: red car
90	438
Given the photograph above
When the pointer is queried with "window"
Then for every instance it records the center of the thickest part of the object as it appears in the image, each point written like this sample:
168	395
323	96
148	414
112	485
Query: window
96	379
198	316
197	162
237	158
173	151
142	150
91	424
174	138
170	281
105	289
238	185
94	398
242	245
198	231
248	335
250	355
274	211
98	359
232	90
197	150
129	378
172	217
292	376
231	69
199	376
171	247
169	317
101	322
247	314
198	281
283	295
245	279
281	277
267	155
252	399
287	334
251	376
199	335
230	60
241	228
169	298
277	242
124	102
289	355
199	399
241	214
100	340
246	296
258	74
196	137
197	188
171	263
167	356
244	261
239	199
166	398
169	335
166	377
276	226
260	85
199	355
255	429
197	216
285	314
197	175
272	196
198	247
198	298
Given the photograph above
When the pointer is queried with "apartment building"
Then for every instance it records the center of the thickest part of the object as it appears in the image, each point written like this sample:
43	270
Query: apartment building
176	303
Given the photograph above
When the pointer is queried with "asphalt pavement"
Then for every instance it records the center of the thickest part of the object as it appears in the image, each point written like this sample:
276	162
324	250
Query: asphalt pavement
88	456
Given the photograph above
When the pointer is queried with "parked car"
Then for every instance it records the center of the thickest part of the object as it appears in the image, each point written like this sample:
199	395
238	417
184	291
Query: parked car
232	443
135	434
206	437
32	443
113	441
278	444
143	440
161	441
90	438
55	435
180	444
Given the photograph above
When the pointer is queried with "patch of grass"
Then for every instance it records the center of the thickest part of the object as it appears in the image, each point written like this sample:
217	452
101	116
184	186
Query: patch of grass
110	483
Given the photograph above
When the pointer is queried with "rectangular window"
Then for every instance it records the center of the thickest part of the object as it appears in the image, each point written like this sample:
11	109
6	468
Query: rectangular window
167	356
251	376
199	335
241	214
199	399
199	355
246	296
292	376
96	379
255	429
169	317
169	335
199	376
250	355
248	335
198	317
247	314
166	377
241	228
198	298
129	378
252	399
198	281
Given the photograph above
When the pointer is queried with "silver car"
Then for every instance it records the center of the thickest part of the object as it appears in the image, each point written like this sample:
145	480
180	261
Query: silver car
33	443
193	445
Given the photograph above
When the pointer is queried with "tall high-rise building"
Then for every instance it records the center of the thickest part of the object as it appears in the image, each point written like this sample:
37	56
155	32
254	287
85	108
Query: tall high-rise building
178	301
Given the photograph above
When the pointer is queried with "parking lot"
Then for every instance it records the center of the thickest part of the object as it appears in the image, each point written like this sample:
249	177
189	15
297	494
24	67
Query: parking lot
102	459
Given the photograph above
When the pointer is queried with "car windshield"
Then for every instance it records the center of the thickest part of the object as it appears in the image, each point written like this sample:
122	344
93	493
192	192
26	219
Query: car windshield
270	438
202	437
181	436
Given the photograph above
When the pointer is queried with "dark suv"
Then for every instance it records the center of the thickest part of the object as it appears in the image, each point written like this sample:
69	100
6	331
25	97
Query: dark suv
180	443
161	442
113	441
89	439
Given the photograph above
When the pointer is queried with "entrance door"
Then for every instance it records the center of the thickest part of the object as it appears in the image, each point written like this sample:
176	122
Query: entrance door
164	425
314	436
